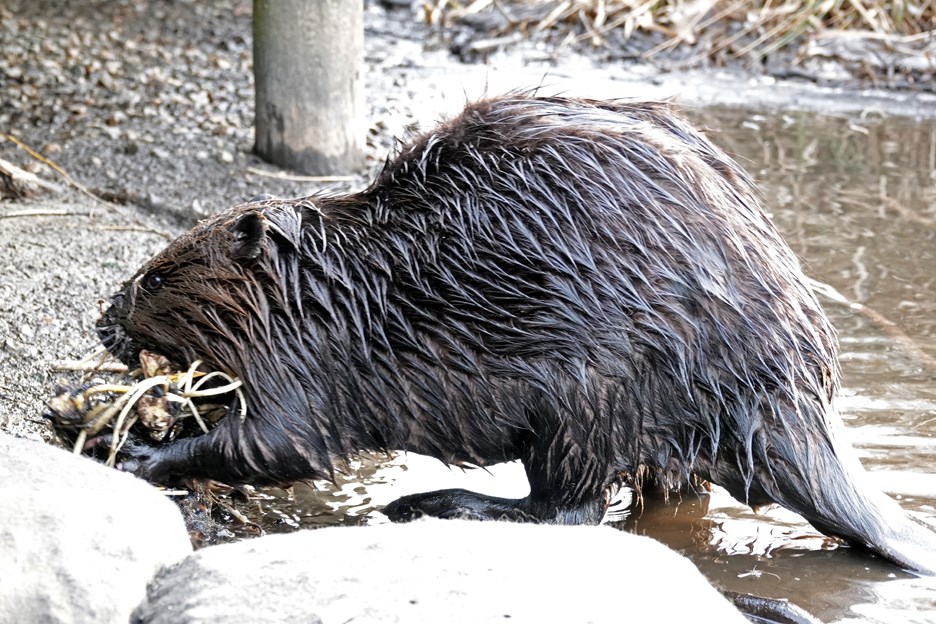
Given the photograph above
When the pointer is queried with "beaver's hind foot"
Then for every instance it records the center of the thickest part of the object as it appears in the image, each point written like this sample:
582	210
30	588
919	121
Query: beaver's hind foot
464	504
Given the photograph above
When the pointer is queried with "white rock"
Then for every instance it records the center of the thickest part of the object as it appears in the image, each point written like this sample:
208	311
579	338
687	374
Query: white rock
434	571
78	541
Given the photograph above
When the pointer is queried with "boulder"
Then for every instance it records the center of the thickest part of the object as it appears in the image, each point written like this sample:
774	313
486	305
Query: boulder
78	541
437	571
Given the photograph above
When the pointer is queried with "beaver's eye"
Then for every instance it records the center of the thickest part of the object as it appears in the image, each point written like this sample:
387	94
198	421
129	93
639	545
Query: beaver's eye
152	282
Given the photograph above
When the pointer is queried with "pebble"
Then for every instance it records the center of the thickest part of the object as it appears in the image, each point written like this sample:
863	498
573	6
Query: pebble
111	132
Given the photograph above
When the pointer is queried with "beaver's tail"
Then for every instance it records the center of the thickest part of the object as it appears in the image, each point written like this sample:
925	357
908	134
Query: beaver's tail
823	481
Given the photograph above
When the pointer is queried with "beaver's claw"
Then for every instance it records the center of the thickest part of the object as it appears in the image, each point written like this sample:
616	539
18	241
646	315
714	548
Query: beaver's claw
141	458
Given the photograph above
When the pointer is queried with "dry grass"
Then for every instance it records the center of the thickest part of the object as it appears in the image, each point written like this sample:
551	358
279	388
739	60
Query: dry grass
728	28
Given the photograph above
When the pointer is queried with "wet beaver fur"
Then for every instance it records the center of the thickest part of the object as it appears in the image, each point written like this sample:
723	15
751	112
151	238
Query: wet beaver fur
589	287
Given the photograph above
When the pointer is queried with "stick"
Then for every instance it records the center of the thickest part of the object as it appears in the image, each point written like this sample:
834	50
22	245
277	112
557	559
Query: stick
43	213
20	183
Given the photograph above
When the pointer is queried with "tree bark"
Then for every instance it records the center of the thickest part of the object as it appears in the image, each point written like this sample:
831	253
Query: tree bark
308	60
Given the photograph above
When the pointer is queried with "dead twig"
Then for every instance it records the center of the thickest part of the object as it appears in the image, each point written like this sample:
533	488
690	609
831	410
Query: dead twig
18	183
866	16
123	228
84	366
17	214
485	45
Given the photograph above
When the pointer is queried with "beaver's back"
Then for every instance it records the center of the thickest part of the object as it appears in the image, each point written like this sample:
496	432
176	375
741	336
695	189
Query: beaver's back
591	288
550	240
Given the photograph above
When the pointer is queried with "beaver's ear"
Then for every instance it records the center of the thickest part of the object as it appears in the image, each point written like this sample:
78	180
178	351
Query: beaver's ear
249	231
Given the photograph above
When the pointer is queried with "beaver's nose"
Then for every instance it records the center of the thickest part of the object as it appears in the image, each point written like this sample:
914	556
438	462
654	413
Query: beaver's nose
117	301
113	336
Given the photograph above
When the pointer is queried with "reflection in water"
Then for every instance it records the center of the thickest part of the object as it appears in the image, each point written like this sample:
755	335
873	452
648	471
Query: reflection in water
778	555
856	198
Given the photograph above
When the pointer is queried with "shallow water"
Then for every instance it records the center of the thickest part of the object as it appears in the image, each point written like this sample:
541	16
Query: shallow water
856	198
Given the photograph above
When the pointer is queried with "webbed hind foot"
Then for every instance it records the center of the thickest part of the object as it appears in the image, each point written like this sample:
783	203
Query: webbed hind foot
458	503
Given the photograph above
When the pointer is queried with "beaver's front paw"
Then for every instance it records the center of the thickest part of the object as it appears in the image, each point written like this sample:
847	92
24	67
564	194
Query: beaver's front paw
142	459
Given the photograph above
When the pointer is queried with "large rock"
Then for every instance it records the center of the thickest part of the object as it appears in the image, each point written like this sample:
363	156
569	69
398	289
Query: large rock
437	572
78	541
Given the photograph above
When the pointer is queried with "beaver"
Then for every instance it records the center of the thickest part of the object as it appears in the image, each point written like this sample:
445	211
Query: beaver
589	287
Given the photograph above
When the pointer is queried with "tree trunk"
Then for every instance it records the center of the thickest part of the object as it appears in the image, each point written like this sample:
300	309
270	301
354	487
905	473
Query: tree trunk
308	60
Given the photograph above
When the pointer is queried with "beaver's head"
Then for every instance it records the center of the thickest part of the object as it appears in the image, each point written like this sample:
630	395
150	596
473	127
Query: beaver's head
193	299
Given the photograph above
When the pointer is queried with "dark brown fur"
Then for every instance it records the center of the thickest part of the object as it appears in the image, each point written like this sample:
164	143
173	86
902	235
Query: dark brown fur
589	287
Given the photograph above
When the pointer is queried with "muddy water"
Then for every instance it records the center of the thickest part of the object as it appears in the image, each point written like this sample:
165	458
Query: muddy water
856	198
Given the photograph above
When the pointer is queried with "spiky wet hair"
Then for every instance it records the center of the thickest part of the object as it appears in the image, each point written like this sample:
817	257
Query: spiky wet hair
589	286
